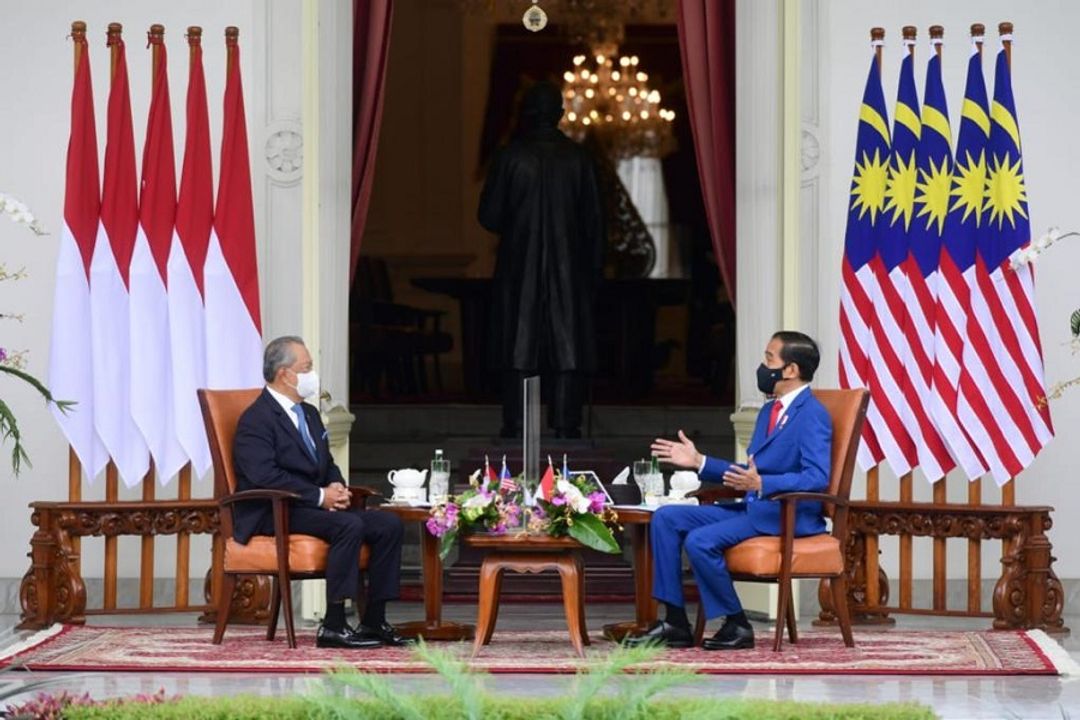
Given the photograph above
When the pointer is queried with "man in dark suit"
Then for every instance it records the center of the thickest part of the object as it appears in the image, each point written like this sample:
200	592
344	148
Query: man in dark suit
281	444
790	451
541	198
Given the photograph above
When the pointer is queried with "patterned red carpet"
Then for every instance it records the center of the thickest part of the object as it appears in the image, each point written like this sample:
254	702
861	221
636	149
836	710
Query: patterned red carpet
819	652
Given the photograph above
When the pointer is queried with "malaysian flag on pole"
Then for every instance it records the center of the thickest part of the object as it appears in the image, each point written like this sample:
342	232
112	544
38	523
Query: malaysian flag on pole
860	246
953	411
930	206
1003	328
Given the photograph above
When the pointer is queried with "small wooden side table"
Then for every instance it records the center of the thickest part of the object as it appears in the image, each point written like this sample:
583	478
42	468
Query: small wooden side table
526	553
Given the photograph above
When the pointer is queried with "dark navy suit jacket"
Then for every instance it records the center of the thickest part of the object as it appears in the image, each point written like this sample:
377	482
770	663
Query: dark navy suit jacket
268	452
795	457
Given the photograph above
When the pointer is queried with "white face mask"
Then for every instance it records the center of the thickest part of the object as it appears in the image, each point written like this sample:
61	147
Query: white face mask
307	384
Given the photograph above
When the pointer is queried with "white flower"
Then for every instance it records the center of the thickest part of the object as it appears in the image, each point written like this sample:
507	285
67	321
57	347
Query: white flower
478	501
20	213
573	496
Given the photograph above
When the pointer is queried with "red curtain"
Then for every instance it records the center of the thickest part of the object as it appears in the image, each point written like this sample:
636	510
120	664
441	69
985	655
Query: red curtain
371	49
707	46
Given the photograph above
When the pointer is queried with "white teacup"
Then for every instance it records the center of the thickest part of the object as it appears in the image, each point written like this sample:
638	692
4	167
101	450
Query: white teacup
683	482
407	478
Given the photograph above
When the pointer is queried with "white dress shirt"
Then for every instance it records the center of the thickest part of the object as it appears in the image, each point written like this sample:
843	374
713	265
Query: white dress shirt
288	405
785	401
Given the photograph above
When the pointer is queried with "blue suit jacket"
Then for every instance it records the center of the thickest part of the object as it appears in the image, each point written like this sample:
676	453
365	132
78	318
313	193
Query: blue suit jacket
794	458
268	452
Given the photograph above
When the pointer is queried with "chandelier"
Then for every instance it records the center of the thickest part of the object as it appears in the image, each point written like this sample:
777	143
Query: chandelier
608	97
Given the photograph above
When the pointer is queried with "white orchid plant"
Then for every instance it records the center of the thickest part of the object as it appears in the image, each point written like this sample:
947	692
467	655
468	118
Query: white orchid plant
1027	255
12	362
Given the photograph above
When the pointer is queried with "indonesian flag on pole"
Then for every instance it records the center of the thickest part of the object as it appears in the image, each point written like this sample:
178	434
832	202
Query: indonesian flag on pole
194	218
233	325
70	376
151	373
109	272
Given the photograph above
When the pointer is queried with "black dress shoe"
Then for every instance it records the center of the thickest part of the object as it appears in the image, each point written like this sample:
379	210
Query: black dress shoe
328	638
665	634
731	636
386	634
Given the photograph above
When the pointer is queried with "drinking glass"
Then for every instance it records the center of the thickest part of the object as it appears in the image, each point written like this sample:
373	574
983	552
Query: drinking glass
654	488
642	470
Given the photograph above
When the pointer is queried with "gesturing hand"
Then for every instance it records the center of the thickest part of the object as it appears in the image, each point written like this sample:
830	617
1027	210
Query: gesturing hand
745	480
682	453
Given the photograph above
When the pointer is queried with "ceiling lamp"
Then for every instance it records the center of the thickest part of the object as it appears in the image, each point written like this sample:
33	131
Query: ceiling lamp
608	96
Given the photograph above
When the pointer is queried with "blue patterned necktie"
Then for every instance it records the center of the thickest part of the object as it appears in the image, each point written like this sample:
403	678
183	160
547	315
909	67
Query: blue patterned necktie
304	432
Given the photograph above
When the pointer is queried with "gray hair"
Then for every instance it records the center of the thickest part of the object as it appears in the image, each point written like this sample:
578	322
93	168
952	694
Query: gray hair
280	353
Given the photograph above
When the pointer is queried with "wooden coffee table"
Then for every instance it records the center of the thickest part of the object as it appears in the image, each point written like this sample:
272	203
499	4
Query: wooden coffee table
524	553
432	627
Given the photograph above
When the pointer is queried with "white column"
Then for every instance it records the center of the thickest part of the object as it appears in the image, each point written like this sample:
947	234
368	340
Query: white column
326	200
776	190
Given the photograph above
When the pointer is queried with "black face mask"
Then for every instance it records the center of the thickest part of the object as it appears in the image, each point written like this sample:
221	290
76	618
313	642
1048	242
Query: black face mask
767	378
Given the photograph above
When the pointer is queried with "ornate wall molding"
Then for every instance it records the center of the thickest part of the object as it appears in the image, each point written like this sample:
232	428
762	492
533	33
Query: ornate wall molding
284	152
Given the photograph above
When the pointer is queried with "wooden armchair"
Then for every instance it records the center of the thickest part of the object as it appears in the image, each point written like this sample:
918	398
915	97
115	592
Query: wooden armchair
283	556
781	559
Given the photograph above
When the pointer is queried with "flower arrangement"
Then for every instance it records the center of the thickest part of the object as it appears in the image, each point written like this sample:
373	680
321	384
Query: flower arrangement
1027	255
575	509
478	509
11	362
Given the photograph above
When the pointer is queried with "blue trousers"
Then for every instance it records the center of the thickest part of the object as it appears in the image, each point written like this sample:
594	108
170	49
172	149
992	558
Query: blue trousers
705	532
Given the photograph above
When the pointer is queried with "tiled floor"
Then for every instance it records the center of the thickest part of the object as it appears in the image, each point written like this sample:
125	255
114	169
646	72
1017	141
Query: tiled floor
1008	697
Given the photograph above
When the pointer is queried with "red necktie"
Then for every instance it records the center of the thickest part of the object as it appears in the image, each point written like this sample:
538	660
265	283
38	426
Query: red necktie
777	407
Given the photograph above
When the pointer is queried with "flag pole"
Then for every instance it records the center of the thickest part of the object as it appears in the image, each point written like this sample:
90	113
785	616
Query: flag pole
909	33
873	489
113	37
155	36
877	40
978	31
1005	31
183	486
78	40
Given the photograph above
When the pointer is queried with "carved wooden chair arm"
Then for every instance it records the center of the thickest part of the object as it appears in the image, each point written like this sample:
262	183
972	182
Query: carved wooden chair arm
258	494
794	497
711	493
359	494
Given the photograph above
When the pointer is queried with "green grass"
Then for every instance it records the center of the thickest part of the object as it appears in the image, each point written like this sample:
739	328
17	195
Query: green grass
605	691
436	707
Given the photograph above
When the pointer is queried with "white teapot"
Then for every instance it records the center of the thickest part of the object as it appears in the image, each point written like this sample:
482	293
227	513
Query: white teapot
408	482
684	482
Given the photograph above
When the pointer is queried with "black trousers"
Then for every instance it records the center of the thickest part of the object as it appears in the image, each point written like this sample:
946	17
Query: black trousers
346	531
564	403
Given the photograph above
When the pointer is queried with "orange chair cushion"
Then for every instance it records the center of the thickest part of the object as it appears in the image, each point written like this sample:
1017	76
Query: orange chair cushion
306	554
813	555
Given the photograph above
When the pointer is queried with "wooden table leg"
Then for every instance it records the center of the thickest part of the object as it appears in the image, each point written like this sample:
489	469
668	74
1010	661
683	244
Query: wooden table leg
432	627
572	601
644	604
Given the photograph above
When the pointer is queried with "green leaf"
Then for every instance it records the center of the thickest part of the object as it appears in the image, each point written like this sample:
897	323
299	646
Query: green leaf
26	377
9	430
1074	323
447	543
590	531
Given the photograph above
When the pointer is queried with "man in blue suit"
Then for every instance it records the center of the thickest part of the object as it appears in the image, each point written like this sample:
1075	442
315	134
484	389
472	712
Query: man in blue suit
281	444
789	451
